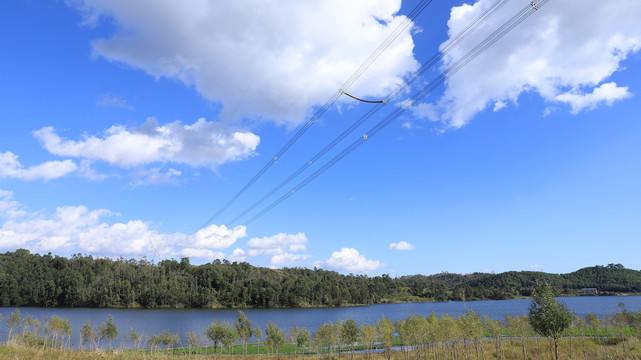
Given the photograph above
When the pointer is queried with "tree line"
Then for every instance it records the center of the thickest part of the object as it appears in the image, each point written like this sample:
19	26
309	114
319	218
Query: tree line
548	327
48	280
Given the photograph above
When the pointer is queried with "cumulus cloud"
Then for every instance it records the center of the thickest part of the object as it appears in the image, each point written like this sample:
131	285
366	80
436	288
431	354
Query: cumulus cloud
201	254
606	93
270	59
401	245
564	52
201	144
72	229
349	259
238	255
10	167
217	237
281	248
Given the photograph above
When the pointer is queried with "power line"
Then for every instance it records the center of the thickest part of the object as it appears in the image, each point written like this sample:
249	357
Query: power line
469	29
517	19
366	64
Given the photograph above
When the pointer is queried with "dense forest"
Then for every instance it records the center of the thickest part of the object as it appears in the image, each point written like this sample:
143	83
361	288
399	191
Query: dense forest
83	281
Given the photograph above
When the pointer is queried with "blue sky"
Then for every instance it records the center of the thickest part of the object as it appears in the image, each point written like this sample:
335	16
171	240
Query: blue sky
126	126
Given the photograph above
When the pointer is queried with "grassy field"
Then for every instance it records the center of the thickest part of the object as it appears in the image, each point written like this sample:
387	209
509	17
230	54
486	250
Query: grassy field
536	348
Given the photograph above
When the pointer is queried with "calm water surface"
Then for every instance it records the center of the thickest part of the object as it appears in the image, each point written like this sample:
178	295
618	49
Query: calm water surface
147	322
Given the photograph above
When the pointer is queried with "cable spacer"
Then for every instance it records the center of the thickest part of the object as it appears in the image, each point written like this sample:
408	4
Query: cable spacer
364	136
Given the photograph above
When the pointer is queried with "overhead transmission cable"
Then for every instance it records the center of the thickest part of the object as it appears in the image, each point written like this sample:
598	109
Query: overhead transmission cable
366	64
469	56
469	29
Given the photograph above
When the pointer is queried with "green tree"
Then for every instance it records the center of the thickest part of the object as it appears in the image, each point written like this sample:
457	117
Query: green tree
326	336
230	336
303	337
549	317
216	333
59	328
108	330
386	331
369	334
349	334
471	328
244	329
134	337
30	329
494	329
275	338
165	338
258	333
193	340
13	322
87	335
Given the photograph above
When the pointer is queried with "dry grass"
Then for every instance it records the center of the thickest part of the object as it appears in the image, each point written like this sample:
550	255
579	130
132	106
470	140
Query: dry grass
536	350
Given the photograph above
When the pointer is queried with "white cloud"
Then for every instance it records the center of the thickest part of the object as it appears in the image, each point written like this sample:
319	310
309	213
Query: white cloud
217	237
155	176
266	58
349	259
606	93
280	247
201	254
401	245
288	258
238	255
88	172
9	208
499	105
283	241
202	143
10	167
72	229
114	101
564	53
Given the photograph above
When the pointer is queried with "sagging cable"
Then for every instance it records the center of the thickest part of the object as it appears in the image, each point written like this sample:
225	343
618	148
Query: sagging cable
384	101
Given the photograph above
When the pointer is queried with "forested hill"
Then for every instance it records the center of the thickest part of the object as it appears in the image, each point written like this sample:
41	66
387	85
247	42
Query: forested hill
46	280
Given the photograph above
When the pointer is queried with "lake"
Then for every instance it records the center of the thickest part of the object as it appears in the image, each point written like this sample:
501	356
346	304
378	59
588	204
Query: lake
151	321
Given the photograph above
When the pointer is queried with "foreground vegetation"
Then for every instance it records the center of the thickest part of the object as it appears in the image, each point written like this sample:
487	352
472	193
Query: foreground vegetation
83	281
549	331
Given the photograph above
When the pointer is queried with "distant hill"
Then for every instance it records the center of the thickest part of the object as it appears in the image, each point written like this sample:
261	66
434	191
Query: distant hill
46	280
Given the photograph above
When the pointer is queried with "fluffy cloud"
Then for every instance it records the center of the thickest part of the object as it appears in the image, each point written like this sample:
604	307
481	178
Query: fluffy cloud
281	248
72	229
401	245
202	143
271	59
10	167
217	237
349	259
606	93
238	255
564	52
9	208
